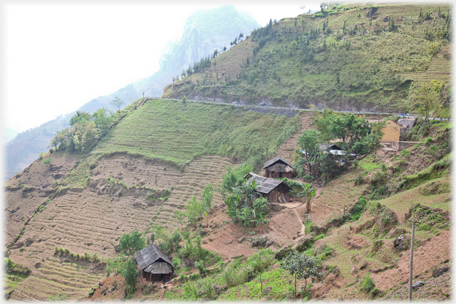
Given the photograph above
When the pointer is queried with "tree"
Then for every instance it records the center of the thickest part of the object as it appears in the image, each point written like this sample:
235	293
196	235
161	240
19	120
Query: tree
117	102
102	120
130	243
79	117
129	271
233	178
309	143
207	197
427	99
308	193
301	266
294	45
193	210
179	216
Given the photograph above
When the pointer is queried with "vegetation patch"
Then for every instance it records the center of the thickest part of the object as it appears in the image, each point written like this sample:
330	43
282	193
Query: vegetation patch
15	274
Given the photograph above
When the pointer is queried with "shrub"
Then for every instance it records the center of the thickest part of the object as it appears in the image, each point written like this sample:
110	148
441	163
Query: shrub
367	284
318	237
358	209
359	179
47	160
428	141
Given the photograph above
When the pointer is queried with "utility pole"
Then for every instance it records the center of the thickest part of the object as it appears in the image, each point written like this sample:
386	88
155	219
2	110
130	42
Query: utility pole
411	259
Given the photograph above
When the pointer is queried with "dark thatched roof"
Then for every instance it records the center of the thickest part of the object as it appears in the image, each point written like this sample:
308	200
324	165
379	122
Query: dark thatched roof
274	160
159	268
264	184
150	255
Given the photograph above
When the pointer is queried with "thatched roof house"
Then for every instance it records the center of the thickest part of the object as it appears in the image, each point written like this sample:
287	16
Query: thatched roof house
154	264
272	189
278	167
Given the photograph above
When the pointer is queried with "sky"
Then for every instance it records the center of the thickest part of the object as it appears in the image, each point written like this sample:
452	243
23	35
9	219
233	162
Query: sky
58	55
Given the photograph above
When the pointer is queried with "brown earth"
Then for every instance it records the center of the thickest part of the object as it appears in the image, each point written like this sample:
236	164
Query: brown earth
432	253
93	219
30	188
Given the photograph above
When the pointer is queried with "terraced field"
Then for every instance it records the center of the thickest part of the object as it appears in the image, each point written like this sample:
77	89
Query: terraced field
171	147
439	68
55	275
29	189
286	150
176	132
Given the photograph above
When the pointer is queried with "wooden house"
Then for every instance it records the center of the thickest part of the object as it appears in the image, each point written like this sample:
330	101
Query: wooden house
275	191
154	264
278	167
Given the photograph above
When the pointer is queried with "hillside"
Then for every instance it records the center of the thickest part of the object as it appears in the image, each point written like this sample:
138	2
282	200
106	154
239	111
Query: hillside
361	257
364	58
145	168
204	32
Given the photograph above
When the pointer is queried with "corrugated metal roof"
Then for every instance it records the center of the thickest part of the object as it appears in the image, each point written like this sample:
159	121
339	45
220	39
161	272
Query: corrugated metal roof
264	184
330	146
274	160
159	268
149	255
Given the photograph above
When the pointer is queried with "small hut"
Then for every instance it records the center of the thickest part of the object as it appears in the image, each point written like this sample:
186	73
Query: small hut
272	189
154	264
278	167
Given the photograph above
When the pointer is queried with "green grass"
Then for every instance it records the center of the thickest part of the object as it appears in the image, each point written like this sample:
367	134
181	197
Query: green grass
368	165
278	279
176	132
367	57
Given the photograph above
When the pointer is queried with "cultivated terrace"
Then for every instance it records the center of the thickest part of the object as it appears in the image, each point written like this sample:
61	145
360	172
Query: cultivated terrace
177	174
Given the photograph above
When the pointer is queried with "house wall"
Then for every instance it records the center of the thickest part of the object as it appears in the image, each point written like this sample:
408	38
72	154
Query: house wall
401	145
392	131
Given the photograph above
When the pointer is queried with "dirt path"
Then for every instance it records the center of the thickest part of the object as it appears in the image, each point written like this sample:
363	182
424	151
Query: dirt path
294	207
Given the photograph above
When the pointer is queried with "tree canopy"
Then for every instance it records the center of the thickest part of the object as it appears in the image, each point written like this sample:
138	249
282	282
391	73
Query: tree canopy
301	266
130	243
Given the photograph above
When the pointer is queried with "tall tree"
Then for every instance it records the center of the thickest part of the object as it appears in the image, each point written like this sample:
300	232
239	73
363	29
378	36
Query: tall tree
427	99
117	102
301	266
308	193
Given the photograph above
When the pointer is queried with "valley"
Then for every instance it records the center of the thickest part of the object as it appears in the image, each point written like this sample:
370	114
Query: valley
173	172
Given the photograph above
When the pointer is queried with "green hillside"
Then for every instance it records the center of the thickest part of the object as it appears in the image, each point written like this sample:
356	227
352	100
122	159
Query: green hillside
350	57
174	132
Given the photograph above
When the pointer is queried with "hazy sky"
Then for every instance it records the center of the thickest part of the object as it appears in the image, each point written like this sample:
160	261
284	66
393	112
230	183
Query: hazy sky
58	55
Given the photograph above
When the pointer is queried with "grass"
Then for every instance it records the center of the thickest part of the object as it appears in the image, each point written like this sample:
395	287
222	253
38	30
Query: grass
278	279
364	61
176	132
368	164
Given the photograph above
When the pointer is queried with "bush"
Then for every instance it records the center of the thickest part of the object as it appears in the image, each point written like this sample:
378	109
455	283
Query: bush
318	237
367	284
358	209
428	141
47	160
359	179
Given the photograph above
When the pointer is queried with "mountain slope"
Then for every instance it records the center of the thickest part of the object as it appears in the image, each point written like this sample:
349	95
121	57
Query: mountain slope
204	32
144	170
351	58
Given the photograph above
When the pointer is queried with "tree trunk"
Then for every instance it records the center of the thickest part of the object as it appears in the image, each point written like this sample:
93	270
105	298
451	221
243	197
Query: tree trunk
295	285
308	206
